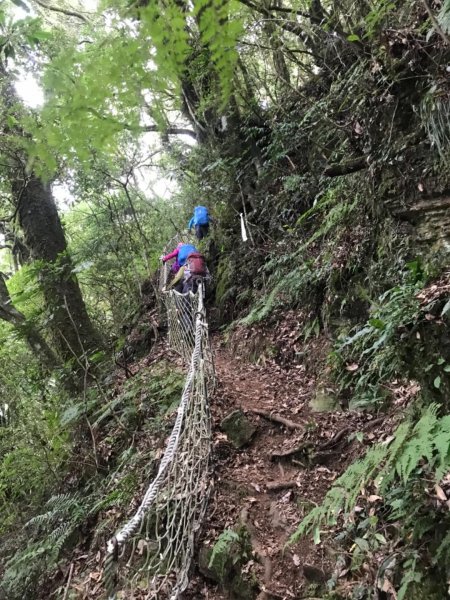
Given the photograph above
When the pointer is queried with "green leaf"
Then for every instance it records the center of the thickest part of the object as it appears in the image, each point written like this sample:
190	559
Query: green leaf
353	38
437	382
381	538
377	323
362	544
447	368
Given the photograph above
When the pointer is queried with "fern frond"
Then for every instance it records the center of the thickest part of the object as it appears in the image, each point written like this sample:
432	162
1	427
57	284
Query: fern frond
441	443
60	535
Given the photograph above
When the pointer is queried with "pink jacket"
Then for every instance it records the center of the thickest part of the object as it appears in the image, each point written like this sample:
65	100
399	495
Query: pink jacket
172	254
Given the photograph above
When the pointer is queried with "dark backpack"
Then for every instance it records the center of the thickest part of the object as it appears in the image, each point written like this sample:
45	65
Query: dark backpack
196	264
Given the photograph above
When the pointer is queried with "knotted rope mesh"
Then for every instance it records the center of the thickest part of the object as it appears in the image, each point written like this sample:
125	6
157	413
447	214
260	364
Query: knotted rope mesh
150	556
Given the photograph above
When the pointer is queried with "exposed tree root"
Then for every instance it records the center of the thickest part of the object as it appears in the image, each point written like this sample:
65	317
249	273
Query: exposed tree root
286	453
274	486
277	419
263	558
335	439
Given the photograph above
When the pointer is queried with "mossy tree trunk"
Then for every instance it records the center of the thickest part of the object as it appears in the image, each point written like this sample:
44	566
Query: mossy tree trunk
38	345
69	321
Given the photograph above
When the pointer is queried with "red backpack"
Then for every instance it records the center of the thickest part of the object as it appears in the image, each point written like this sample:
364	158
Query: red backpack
196	264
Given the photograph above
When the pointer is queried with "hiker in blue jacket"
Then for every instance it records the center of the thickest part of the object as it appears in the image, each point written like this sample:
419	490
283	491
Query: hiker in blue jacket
200	221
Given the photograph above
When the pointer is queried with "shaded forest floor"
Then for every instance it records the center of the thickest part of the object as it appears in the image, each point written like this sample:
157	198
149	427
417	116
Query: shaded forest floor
274	480
271	483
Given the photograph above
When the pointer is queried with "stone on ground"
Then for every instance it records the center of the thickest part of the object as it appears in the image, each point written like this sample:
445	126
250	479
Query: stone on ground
238	428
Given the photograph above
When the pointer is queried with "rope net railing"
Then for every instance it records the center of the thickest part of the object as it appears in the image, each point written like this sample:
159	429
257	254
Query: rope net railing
150	556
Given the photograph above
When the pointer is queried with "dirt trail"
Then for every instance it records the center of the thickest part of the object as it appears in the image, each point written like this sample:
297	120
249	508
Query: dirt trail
243	477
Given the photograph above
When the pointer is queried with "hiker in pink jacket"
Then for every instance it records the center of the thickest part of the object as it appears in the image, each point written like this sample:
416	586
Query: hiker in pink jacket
180	254
174	254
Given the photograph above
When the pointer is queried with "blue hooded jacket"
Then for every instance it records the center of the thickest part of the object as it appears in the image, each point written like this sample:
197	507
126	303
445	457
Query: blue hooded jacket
184	252
201	216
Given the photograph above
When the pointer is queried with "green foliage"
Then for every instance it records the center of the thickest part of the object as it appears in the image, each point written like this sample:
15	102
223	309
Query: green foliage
33	447
221	550
377	16
396	469
47	533
290	286
92	85
444	16
376	348
30	476
435	115
114	248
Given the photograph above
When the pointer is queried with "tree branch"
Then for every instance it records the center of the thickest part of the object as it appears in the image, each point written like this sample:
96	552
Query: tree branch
294	27
435	23
169	130
64	11
143	128
345	168
289	26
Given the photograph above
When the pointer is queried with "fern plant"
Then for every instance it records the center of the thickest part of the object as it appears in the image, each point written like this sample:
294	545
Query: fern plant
46	536
396	469
376	348
222	547
293	275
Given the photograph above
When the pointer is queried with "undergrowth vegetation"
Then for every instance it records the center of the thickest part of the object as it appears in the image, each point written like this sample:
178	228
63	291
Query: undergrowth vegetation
77	492
389	496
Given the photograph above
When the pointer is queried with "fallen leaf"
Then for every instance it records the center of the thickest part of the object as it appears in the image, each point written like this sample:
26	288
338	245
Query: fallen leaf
386	586
357	128
374	498
440	493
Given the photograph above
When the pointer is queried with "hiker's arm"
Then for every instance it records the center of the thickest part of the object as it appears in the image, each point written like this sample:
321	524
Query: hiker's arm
172	254
191	222
177	278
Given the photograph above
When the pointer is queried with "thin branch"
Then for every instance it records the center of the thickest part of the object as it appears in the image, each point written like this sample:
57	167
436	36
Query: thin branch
294	27
169	130
64	11
289	26
143	128
345	168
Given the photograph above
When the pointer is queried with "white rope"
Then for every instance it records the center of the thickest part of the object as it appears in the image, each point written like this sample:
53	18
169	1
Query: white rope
160	534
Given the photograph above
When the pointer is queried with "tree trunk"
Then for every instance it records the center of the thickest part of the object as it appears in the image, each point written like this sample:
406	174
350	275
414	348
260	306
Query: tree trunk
73	333
69	321
279	63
